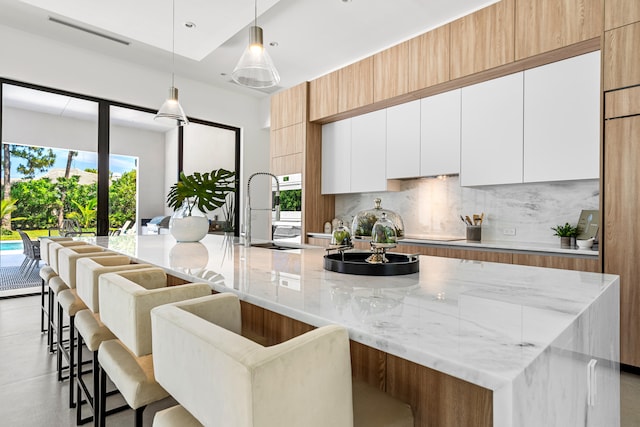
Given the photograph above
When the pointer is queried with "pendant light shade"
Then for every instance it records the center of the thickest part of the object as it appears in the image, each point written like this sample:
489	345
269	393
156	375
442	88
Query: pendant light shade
171	111
255	68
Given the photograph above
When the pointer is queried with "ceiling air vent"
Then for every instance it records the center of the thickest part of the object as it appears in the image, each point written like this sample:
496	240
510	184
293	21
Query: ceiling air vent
87	30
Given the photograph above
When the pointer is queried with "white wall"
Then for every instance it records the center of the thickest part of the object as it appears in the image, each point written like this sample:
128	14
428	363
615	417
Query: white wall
37	60
149	147
40	129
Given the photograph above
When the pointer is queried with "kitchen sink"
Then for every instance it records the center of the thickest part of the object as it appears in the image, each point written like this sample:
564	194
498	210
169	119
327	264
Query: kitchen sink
274	246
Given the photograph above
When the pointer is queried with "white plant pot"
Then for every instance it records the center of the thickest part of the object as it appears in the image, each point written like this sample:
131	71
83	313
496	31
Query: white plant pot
191	228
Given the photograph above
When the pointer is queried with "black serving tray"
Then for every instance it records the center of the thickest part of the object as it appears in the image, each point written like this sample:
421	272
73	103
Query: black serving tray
354	263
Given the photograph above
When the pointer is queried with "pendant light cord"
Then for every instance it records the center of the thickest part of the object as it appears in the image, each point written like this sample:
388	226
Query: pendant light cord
173	43
255	13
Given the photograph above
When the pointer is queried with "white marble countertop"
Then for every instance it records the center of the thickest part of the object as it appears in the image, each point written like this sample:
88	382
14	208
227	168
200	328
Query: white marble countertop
479	321
495	245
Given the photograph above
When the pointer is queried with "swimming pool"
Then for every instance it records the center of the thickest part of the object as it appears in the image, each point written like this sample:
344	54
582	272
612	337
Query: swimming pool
11	245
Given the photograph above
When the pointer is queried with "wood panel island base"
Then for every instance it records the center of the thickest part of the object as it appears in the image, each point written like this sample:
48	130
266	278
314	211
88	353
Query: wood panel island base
465	343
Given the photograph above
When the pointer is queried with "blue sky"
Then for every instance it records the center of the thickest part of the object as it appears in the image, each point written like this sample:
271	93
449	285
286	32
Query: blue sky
84	160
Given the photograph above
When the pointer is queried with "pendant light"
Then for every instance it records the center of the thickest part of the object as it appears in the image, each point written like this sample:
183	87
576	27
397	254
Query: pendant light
171	110
255	68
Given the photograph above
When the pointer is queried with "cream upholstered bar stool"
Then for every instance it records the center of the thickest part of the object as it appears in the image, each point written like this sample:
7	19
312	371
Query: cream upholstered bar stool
90	329
54	286
69	303
126	300
46	273
221	378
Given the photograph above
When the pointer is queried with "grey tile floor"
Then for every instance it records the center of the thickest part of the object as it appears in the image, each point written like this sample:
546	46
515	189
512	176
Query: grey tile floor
30	394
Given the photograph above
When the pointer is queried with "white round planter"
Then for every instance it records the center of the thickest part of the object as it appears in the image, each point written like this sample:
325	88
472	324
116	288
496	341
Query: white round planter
191	228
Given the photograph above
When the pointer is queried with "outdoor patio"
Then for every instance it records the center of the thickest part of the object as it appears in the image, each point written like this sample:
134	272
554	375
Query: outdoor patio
12	282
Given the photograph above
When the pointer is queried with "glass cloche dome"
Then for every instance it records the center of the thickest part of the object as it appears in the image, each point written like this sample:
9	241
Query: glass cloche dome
363	222
384	233
341	235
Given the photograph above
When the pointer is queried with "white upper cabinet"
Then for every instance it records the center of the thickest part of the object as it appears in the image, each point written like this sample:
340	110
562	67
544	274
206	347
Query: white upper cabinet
492	120
336	157
354	155
440	134
403	140
562	120
368	140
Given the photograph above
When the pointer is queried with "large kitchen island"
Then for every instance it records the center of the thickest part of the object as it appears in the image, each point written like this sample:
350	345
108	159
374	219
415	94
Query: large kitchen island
466	343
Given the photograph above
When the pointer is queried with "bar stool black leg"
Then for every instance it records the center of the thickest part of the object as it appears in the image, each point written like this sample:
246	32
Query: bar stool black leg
42	309
72	369
103	398
139	412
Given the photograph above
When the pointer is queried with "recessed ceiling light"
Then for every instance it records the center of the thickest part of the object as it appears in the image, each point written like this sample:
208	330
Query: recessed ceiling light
346	1
223	74
190	24
274	44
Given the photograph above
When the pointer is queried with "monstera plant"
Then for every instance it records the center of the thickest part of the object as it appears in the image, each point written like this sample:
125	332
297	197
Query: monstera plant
207	191
192	196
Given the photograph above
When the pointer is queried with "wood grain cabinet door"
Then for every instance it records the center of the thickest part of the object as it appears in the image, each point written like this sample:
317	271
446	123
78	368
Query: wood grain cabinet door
355	85
483	40
545	25
621	62
621	226
323	96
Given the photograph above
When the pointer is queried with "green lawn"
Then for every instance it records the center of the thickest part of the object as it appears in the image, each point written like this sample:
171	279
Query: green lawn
34	234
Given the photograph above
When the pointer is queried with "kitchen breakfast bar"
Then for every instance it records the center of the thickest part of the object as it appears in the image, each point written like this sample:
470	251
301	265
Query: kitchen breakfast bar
466	343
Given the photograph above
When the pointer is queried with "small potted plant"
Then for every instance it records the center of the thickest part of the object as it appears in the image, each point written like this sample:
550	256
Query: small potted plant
192	196
567	233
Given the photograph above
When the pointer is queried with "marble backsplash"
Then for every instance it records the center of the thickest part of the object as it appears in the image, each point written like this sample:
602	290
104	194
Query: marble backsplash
432	206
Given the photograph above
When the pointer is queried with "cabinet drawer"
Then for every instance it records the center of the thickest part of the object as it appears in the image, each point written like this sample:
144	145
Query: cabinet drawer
622	103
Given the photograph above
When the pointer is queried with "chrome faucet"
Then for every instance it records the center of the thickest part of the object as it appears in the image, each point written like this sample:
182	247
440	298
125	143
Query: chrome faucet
248	208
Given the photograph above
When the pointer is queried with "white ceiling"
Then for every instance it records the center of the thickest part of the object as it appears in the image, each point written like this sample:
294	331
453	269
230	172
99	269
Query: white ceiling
313	36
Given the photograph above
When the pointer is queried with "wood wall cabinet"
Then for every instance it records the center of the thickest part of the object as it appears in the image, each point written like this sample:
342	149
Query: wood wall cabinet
289	107
391	72
621	63
620	12
544	25
483	40
288	140
440	134
295	148
562	120
621	103
286	165
323	96
621	227
429	58
403	141
288	130
492	120
355	85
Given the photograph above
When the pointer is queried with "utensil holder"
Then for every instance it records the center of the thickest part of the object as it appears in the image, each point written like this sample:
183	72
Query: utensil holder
474	233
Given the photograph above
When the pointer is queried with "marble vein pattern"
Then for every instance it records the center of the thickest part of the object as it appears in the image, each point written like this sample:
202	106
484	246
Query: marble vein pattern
512	329
432	206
